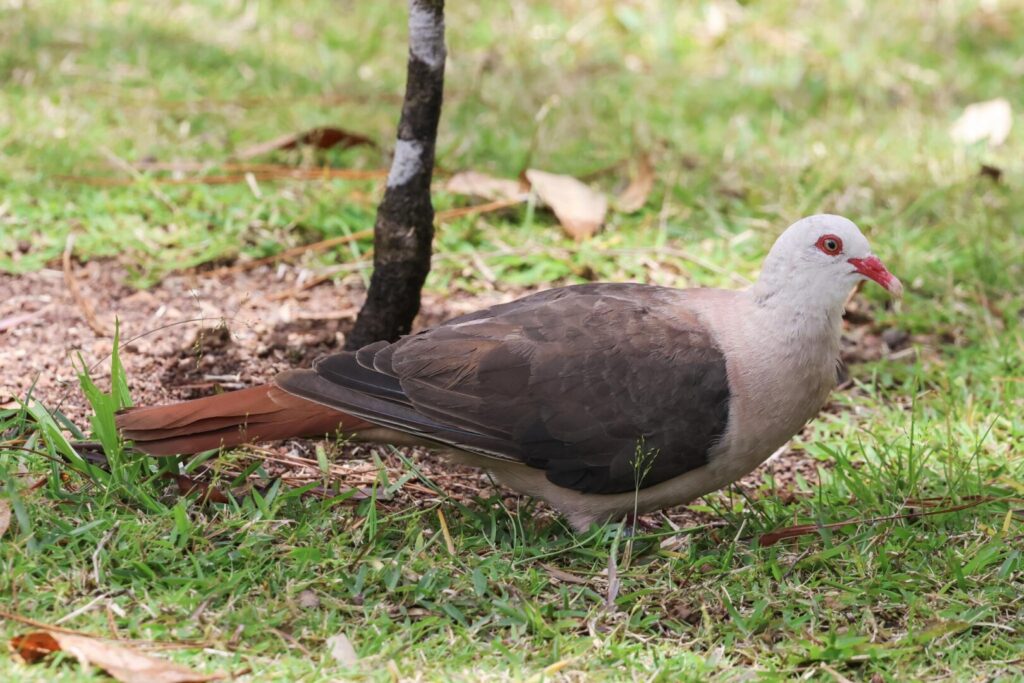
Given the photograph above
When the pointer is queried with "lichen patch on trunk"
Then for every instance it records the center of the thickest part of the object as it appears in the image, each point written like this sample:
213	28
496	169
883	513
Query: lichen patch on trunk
407	163
426	35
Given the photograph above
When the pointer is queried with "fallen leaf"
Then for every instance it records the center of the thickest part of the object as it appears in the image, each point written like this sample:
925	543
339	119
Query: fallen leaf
324	137
188	485
341	649
32	647
5	517
483	186
990	120
993	173
641	182
120	662
579	209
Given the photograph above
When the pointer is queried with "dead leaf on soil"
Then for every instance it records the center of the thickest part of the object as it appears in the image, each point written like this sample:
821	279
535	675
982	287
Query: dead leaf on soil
991	171
120	662
580	209
483	186
641	182
5	517
342	651
323	137
207	492
990	120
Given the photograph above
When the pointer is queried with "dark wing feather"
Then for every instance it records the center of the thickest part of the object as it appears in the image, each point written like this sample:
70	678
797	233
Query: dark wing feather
572	381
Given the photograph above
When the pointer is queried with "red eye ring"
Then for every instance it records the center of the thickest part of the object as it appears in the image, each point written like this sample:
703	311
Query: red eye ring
830	244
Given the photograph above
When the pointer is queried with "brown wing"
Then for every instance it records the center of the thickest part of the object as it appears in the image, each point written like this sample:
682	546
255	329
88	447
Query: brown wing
572	381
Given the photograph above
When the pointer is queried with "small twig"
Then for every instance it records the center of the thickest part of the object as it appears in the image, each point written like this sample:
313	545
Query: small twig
835	674
613	581
440	217
82	610
773	537
204	166
233	379
290	640
294	251
497	205
449	544
194	617
111	622
229	179
254	185
72	284
136	177
96	553
323	277
792	567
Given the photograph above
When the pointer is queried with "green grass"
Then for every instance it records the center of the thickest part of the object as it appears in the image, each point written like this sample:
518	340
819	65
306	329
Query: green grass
793	110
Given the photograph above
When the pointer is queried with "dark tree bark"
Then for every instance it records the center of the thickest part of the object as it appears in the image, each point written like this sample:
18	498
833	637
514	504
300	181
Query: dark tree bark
405	218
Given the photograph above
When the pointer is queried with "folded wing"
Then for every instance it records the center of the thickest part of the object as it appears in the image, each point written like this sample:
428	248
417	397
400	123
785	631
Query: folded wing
576	381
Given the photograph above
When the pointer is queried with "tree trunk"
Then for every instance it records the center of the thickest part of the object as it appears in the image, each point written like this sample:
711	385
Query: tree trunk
405	218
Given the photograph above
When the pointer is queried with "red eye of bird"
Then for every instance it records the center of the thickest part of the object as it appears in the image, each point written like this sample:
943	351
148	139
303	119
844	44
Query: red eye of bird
830	244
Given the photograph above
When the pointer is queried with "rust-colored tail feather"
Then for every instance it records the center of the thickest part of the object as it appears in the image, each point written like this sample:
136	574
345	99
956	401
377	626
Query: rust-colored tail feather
263	413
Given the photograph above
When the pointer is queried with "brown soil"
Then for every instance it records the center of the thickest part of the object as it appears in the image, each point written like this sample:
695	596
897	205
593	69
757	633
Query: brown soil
195	334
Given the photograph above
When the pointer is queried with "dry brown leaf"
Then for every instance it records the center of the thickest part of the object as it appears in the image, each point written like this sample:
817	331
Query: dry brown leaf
641	182
990	120
483	186
120	662
5	517
990	171
580	209
32	647
324	137
341	650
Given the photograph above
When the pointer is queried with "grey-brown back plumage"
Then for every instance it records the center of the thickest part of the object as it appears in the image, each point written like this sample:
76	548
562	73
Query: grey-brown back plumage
571	381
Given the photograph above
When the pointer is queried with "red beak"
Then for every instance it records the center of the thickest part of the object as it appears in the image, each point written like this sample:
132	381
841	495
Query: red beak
873	269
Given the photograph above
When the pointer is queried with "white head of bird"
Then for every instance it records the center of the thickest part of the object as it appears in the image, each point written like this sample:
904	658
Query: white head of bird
817	262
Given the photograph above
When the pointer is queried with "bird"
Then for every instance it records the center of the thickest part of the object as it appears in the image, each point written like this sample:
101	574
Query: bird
605	400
